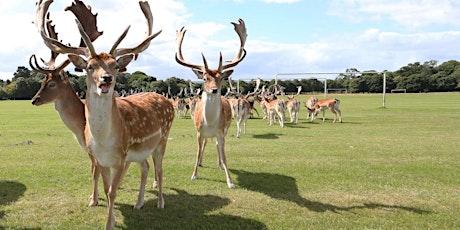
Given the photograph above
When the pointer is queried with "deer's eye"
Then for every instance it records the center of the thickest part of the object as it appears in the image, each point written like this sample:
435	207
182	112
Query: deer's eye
90	67
51	84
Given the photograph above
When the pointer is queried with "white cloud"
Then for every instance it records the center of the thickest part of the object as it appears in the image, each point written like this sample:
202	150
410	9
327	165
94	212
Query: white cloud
411	13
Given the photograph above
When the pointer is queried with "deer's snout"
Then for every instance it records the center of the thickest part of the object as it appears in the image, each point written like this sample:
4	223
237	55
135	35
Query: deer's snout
107	79
214	90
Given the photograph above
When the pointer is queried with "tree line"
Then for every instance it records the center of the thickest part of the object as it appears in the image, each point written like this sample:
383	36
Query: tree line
414	78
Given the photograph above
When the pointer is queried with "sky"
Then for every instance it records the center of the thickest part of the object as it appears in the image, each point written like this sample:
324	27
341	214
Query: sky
284	36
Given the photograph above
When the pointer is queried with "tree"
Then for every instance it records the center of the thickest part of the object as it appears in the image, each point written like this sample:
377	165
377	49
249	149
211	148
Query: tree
21	72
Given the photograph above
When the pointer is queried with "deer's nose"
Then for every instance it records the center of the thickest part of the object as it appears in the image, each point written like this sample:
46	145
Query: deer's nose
214	90
107	79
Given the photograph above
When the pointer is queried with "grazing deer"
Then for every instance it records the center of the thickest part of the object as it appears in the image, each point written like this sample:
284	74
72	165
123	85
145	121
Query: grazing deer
293	106
118	130
213	114
330	103
310	105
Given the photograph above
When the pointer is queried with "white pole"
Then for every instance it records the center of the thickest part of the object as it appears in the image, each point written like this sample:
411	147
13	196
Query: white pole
384	87
325	88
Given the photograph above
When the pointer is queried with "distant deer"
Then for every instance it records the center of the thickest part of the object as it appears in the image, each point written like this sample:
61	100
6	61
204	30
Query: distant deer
213	114
293	106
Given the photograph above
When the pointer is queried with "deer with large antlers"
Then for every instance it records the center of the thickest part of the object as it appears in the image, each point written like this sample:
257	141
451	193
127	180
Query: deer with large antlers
118	130
57	89
213	116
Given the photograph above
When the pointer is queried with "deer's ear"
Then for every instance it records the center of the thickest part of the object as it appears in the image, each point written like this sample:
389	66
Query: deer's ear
226	74
123	61
78	61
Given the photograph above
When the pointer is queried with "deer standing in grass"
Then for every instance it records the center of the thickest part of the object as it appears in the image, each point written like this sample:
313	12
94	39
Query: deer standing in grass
241	108
57	89
118	130
310	105
213	115
293	106
329	103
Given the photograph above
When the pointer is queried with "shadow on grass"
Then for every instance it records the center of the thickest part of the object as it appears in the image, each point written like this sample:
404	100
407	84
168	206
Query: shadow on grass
285	188
184	211
267	136
10	192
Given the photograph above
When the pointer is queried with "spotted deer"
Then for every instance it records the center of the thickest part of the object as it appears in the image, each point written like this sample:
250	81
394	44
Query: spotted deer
56	88
213	116
118	130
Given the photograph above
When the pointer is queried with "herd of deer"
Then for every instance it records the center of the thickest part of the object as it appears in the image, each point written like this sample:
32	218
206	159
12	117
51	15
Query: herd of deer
116	131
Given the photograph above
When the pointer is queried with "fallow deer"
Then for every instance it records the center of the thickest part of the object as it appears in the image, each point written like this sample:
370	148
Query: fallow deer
293	106
118	130
213	114
56	88
310	104
329	103
241	108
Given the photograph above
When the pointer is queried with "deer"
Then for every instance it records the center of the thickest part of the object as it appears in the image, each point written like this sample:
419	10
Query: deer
178	102
293	106
56	88
309	104
329	103
213	115
117	130
241	107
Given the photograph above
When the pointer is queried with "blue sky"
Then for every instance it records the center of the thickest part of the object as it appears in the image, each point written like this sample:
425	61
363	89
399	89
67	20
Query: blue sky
284	36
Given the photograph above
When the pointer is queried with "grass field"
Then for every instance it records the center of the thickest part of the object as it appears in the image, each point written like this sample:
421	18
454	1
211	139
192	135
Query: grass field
382	168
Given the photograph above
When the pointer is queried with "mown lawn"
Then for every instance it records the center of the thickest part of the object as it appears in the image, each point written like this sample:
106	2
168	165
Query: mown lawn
382	168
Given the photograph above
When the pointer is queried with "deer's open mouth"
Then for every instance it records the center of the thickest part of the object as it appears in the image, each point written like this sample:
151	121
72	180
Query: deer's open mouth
104	87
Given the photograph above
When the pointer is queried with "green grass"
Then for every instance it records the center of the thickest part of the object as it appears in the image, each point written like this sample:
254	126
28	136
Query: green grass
382	168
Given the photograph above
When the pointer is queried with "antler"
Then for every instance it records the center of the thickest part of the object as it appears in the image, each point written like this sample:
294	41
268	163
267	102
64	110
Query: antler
89	24
299	88
145	7
86	18
240	29
89	51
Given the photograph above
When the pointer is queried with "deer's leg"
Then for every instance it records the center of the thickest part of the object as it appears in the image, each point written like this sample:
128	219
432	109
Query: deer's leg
223	160
95	172
199	155
324	111
112	194
144	165
340	114
158	168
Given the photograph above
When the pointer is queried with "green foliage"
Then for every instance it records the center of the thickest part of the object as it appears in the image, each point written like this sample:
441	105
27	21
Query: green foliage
392	168
415	77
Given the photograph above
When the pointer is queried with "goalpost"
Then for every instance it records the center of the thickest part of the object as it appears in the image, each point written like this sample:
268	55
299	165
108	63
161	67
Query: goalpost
325	80
299	76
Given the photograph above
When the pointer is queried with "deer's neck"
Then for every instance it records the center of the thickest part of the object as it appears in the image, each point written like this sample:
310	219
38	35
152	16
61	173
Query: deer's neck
72	112
102	117
211	107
